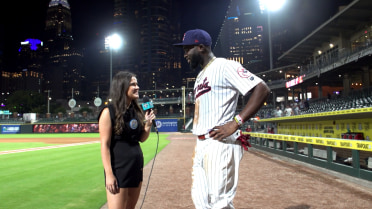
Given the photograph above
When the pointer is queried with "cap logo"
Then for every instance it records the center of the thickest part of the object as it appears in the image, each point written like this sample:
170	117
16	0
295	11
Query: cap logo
196	41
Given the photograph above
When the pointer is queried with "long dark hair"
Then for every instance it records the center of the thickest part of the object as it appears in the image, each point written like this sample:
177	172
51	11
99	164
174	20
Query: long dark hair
118	96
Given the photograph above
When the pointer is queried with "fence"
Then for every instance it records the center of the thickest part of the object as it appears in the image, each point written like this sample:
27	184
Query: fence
319	151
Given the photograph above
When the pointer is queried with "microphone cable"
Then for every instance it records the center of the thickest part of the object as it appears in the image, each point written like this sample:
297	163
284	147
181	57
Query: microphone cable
152	166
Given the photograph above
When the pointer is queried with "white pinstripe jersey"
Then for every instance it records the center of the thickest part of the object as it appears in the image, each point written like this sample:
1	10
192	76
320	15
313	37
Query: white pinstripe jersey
217	91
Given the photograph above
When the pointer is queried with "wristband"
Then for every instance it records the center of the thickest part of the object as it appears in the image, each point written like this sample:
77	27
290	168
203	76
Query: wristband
238	120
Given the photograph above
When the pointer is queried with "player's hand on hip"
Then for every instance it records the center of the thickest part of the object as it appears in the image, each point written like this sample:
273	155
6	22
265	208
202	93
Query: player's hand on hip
221	132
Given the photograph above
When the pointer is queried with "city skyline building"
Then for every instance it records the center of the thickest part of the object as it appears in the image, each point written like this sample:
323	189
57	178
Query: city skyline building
29	76
149	28
29	73
243	36
63	61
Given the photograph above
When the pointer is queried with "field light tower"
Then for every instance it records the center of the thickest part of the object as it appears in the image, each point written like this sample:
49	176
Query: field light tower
270	6
113	41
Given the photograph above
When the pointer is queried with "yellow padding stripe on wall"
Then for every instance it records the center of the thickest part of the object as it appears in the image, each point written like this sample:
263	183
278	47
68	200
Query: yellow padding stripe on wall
340	112
331	142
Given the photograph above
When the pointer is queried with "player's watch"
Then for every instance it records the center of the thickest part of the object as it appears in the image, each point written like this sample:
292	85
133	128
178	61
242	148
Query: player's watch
238	120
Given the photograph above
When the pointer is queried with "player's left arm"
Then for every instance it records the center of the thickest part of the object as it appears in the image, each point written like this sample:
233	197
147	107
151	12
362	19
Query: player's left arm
259	95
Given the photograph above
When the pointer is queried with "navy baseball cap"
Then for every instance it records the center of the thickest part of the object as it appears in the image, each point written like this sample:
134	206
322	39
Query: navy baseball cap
195	37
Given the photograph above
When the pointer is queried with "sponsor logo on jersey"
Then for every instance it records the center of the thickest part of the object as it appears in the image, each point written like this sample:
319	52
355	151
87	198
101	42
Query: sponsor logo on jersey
202	88
244	73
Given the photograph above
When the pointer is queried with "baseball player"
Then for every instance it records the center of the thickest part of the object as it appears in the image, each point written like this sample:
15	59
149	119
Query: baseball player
218	149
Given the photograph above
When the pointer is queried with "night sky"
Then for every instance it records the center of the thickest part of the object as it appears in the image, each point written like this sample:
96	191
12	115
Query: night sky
26	18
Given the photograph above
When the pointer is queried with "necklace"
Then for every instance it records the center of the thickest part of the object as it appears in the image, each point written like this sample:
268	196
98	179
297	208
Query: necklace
204	69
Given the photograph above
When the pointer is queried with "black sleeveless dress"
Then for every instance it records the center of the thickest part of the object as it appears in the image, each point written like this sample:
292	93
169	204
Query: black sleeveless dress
126	153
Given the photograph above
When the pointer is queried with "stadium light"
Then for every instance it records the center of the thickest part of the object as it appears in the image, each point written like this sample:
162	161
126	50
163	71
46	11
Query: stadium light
113	41
270	6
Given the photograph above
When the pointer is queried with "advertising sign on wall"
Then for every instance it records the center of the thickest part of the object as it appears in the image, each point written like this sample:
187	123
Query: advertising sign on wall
10	129
167	125
295	81
66	128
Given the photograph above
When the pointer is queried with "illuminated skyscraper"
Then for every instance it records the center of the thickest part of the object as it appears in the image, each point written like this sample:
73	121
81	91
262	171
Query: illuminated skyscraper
242	35
58	22
148	29
63	61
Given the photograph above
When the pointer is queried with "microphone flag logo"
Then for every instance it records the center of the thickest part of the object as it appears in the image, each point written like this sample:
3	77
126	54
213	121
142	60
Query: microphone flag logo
147	106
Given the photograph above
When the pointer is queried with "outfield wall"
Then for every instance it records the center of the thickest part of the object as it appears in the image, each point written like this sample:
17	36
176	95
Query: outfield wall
163	125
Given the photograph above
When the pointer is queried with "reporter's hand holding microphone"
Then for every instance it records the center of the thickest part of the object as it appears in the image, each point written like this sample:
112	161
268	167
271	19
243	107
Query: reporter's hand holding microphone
150	116
147	106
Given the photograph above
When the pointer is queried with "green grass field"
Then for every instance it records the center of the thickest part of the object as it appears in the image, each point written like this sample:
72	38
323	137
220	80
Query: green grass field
60	178
49	135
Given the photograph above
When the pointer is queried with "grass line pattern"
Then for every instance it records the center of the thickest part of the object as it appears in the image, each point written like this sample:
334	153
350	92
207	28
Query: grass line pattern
70	177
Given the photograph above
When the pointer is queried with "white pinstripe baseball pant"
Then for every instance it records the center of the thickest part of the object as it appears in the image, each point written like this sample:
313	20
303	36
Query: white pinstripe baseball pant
215	172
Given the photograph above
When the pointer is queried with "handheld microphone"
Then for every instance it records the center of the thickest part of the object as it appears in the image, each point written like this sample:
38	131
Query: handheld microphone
147	105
